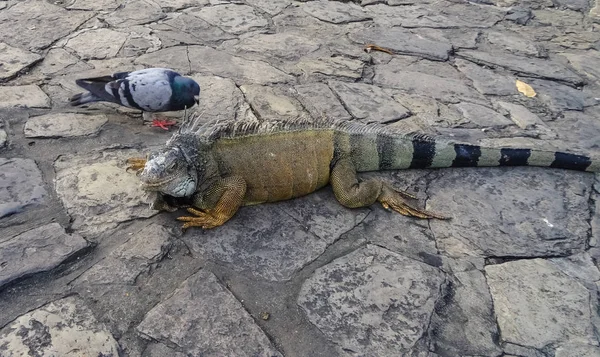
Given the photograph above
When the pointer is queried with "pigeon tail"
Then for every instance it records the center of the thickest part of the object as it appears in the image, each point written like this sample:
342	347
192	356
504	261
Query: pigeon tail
83	98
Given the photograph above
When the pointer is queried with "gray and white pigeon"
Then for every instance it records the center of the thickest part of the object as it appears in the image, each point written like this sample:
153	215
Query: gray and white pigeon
150	90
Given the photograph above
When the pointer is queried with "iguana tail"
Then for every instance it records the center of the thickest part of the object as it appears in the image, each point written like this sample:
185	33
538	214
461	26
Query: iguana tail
374	151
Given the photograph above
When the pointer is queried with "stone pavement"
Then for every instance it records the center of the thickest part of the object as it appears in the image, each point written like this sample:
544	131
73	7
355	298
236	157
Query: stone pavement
87	269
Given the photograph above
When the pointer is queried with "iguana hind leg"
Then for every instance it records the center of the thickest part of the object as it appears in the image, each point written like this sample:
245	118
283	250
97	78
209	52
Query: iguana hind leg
217	204
351	193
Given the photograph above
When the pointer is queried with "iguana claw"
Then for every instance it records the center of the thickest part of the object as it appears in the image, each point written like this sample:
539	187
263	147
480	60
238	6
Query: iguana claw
392	199
136	164
203	219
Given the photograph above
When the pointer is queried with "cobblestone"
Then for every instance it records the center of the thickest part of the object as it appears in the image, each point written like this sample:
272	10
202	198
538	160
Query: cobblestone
513	273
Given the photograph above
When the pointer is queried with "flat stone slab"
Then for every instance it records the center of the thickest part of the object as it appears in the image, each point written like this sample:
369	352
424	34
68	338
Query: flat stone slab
189	30
532	293
284	46
492	215
558	97
57	329
233	18
272	7
135	12
452	16
403	41
124	264
588	64
479	116
487	81
97	192
64	125
519	114
465	323
513	43
330	67
444	89
255	242
215	62
335	12
28	96
97	44
534	67
372	301
13	60
21	185
36	250
320	101
204	318
368	103
272	104
220	98
37	24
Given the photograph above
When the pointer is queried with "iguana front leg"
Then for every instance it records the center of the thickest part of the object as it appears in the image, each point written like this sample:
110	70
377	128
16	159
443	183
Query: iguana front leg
350	193
217	204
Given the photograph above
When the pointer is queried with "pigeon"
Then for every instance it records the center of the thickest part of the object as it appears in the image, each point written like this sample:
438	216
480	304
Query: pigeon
150	90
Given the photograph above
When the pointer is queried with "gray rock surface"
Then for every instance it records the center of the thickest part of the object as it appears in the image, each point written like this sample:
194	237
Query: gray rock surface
28	96
403	42
97	44
539	68
97	192
320	101
366	306
368	103
513	229
519	114
255	243
487	81
444	89
305	277
334	11
204	318
124	264
38	250
57	329
21	185
14	60
23	23
233	18
479	116
465	323
532	293
64	125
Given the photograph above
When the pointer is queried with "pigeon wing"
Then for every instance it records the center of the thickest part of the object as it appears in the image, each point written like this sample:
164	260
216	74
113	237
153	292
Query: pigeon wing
148	90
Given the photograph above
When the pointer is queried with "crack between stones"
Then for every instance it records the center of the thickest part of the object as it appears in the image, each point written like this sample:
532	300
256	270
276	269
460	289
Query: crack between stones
435	303
252	109
58	297
302	270
592	209
495	337
187	55
255	319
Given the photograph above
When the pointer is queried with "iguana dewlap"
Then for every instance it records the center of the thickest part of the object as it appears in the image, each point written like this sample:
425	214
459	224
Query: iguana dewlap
219	167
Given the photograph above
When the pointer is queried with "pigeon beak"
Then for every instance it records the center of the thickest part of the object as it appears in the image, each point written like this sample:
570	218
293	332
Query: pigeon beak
197	99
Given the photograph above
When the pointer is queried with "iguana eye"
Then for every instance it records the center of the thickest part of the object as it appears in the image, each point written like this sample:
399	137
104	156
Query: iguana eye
173	166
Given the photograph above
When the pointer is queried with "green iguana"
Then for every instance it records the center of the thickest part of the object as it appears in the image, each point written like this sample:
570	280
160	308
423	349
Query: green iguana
219	167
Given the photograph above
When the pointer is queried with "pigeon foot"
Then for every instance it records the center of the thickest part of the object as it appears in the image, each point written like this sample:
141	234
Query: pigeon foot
163	123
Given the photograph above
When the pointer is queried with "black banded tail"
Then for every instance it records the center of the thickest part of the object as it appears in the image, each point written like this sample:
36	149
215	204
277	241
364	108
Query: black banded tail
374	151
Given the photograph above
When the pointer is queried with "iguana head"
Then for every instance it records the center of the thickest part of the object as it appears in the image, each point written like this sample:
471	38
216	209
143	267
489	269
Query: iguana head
169	172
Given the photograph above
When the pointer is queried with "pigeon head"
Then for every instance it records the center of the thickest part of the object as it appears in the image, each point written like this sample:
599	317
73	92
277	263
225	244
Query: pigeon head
186	92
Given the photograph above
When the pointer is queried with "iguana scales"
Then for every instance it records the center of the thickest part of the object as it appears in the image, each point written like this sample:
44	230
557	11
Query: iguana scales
221	166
